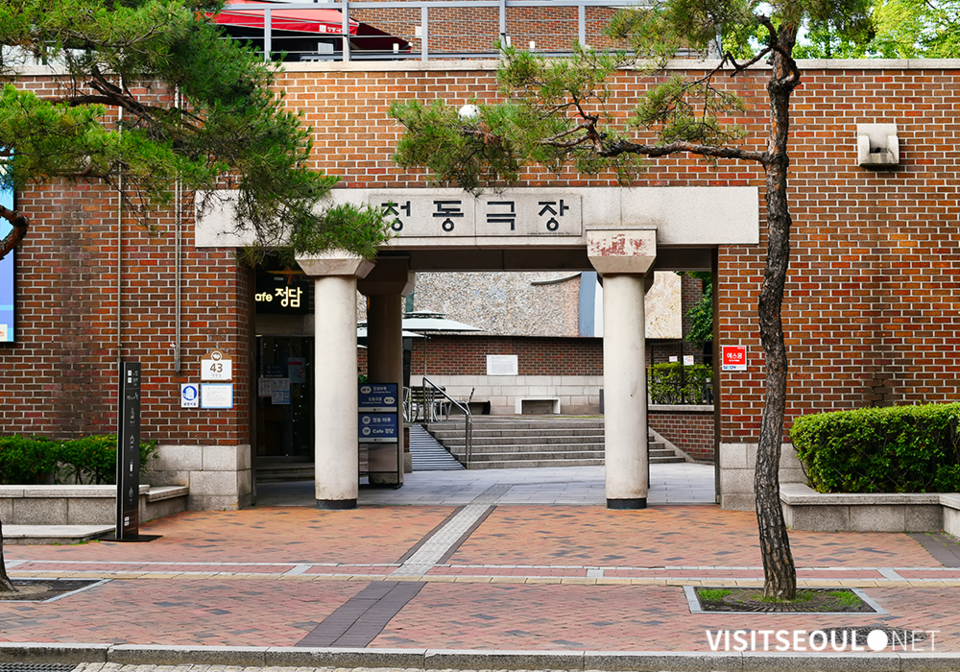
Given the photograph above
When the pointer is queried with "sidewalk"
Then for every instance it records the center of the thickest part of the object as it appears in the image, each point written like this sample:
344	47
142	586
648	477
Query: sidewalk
482	576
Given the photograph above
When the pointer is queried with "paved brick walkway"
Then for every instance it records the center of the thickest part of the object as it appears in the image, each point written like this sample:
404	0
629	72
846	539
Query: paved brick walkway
484	576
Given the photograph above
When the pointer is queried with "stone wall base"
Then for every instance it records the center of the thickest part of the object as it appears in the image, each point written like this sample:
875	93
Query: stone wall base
738	462
82	504
806	509
219	477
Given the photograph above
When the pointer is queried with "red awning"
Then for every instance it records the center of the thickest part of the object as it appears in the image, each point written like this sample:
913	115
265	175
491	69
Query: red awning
316	21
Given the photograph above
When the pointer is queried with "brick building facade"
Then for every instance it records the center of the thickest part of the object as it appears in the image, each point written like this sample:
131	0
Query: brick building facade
870	311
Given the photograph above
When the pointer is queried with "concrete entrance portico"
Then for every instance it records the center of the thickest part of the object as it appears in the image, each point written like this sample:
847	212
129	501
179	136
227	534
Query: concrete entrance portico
623	256
621	233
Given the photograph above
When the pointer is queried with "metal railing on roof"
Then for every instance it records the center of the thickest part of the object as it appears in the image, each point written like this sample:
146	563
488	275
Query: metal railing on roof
437	29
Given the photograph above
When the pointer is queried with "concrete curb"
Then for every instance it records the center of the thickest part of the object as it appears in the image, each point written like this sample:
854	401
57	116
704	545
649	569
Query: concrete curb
435	659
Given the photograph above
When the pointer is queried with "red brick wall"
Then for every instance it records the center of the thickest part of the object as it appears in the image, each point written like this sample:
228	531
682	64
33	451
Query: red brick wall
692	432
60	377
467	355
871	310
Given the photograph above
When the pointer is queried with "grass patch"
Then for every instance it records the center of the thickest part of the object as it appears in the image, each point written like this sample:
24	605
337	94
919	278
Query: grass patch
812	600
712	594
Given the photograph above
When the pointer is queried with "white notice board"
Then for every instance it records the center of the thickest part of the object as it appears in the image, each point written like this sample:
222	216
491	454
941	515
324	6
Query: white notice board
216	395
502	365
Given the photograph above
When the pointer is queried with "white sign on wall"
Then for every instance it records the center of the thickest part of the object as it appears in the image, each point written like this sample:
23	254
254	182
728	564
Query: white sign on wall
502	365
189	395
216	395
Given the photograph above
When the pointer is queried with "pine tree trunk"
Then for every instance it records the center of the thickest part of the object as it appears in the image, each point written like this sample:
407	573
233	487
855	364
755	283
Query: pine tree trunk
779	571
6	585
780	576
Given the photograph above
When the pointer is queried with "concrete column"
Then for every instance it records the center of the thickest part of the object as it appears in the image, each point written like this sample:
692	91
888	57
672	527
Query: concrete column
386	285
623	256
335	394
624	392
385	364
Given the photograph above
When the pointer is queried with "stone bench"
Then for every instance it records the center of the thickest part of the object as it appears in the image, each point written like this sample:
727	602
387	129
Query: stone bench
807	509
83	504
537	402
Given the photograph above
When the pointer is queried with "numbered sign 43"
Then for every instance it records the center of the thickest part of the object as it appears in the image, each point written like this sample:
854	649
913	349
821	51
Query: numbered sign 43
216	366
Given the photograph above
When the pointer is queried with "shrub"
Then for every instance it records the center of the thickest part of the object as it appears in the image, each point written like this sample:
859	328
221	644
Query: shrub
90	460
674	383
26	460
897	449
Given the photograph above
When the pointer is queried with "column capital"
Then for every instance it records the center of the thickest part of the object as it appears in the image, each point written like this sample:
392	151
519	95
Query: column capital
334	262
391	276
622	249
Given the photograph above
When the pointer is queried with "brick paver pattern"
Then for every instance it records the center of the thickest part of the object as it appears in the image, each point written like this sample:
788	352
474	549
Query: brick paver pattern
519	577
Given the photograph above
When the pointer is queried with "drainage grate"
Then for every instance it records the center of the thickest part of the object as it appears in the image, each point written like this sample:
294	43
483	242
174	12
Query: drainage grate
48	590
36	667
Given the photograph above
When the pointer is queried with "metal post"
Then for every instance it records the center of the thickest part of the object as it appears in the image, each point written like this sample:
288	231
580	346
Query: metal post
424	33
267	34
582	25
346	30
503	26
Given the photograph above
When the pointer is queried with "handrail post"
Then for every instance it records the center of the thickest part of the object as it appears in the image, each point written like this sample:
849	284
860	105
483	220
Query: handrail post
346	31
468	421
582	25
267	35
424	34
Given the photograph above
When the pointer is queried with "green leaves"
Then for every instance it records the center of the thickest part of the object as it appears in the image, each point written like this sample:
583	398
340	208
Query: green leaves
470	152
897	449
91	459
152	95
676	383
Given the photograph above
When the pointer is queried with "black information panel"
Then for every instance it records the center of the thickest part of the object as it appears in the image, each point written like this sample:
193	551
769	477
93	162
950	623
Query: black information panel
128	456
128	452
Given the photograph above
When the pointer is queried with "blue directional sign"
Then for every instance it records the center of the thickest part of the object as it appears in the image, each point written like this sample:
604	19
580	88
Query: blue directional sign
378	397
378	428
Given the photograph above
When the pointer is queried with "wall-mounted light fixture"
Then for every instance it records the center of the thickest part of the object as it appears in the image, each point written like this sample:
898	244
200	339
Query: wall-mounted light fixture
877	145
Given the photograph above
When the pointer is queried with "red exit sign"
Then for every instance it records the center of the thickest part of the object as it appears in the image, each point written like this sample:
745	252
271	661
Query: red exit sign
734	358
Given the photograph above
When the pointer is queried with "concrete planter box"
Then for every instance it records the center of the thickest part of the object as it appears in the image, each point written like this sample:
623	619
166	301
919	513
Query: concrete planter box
806	509
83	504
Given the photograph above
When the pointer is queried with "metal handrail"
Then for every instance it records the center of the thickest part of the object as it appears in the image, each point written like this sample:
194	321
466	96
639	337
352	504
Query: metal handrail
424	34
468	422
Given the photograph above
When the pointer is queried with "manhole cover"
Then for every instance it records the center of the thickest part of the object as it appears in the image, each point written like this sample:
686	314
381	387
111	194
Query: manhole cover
47	590
35	667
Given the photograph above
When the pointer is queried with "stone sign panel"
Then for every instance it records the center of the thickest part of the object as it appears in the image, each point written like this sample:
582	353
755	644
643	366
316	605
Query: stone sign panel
493	215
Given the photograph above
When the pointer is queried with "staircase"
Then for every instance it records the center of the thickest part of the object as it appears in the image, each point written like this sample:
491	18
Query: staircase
281	471
509	442
427	454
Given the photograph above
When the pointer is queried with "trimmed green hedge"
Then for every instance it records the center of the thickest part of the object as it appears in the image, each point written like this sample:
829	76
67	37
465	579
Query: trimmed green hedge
91	460
896	449
664	383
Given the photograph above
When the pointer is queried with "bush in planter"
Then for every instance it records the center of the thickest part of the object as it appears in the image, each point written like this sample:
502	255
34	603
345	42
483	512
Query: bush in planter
27	460
664	383
896	449
90	460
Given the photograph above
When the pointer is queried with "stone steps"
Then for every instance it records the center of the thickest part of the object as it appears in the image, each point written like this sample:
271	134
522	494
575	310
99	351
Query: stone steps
548	442
283	472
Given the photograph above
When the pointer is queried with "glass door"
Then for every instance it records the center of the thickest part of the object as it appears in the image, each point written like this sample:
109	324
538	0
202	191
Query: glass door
285	398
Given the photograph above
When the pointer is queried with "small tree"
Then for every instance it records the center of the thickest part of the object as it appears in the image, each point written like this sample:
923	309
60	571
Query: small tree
151	95
556	113
701	313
